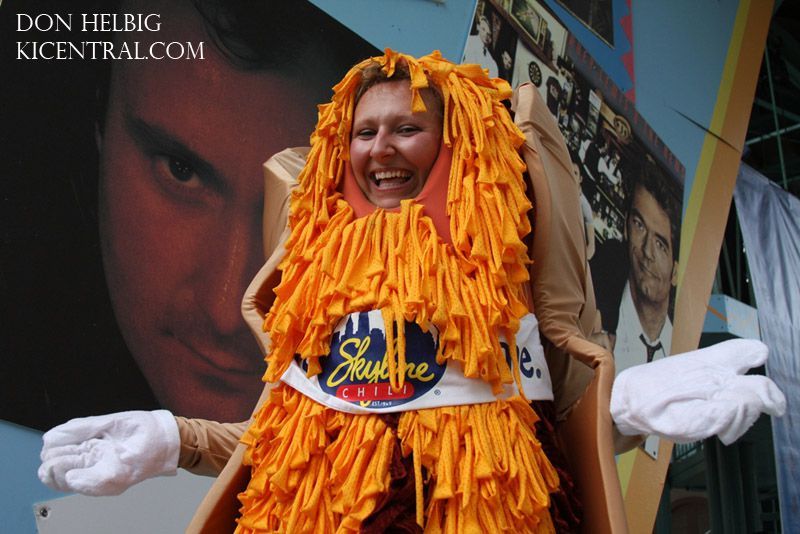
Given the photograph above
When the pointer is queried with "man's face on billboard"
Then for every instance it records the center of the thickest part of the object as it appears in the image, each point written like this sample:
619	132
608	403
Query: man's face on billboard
181	197
648	231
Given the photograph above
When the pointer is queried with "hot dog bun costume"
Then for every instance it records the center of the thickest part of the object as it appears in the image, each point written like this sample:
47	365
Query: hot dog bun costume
396	342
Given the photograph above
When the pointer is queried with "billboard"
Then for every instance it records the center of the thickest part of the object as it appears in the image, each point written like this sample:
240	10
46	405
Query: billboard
133	139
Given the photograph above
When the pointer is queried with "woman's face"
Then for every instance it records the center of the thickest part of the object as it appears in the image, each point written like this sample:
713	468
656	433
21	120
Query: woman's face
392	149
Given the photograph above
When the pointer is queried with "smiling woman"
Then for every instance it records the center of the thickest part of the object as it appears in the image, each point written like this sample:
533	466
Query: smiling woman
453	404
393	149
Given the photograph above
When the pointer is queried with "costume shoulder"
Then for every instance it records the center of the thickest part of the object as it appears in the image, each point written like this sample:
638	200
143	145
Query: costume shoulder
564	304
559	272
280	177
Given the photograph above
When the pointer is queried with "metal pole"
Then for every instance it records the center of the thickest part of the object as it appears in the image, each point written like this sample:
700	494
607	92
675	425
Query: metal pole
713	485
726	256
751	498
738	294
775	117
772	134
730	489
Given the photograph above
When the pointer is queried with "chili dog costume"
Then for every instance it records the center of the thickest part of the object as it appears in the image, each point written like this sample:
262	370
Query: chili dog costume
393	337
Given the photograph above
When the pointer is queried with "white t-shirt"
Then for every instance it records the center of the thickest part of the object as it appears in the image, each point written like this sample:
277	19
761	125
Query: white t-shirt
610	170
630	347
586	212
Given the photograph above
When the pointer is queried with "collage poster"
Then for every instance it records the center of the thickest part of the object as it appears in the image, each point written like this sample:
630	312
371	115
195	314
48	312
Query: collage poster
632	185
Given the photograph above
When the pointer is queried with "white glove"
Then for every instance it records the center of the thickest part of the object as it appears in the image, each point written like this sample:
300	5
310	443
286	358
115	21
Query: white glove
692	396
107	454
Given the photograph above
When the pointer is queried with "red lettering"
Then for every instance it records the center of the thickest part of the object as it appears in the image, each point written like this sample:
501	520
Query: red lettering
381	391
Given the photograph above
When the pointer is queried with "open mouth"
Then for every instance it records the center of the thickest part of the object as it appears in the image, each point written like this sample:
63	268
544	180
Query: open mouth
390	179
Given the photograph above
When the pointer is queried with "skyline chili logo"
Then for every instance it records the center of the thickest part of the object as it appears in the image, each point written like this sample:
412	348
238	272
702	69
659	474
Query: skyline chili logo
356	370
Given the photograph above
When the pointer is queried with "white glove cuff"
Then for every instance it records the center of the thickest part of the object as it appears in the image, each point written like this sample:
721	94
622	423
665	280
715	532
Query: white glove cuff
620	408
168	463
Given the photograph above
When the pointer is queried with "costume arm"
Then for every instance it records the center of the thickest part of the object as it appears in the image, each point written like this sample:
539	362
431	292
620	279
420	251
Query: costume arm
680	398
562	292
206	446
107	454
692	396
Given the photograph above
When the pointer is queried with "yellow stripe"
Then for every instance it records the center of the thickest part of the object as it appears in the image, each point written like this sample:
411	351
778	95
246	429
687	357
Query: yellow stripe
710	143
625	463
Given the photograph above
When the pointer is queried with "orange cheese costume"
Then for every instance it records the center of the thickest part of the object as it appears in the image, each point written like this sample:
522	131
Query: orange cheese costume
476	466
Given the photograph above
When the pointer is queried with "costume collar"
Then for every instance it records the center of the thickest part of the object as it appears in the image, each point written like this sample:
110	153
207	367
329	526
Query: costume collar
433	196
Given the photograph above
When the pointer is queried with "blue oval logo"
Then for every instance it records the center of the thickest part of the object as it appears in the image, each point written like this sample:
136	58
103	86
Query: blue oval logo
356	369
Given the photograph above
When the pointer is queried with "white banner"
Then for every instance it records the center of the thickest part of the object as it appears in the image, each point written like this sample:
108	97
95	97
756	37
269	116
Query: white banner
770	222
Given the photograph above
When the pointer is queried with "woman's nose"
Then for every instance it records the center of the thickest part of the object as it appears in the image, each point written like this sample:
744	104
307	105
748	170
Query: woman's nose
382	146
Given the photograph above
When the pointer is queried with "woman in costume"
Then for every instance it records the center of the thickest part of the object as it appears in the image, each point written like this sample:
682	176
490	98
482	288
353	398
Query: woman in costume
443	298
447	296
321	461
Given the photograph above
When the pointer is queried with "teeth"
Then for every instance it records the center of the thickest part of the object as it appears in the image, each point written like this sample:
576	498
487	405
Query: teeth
387	175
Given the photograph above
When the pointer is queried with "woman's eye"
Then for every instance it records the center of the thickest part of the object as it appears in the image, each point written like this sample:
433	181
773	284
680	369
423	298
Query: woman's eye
408	129
365	133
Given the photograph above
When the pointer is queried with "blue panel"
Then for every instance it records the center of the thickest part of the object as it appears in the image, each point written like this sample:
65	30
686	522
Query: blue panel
727	315
680	51
609	57
19	458
415	27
